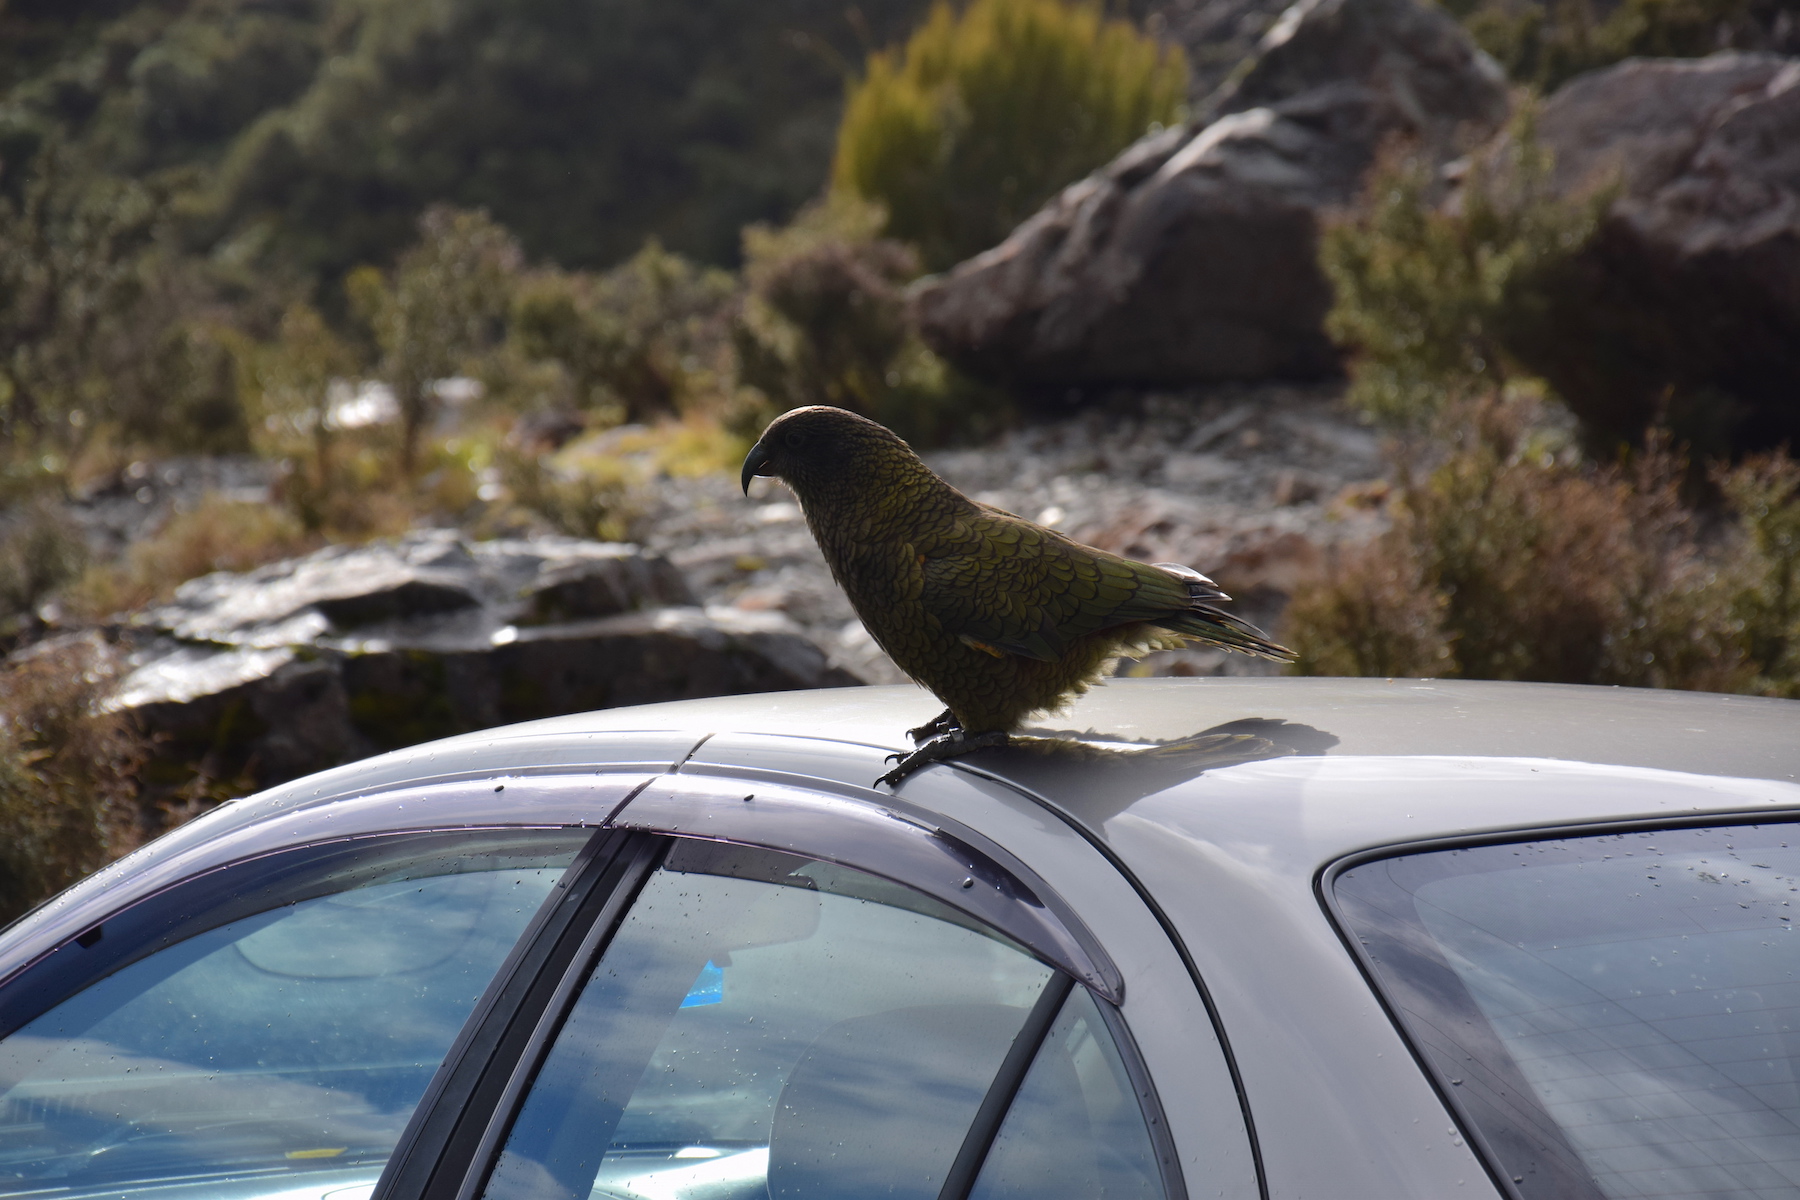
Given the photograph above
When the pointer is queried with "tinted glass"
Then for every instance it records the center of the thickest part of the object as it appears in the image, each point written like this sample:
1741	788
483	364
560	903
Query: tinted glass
1619	1016
767	1026
1074	1131
293	1042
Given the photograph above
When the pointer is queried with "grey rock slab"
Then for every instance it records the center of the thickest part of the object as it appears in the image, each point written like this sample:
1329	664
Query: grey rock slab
300	665
240	716
1193	255
401	695
424	580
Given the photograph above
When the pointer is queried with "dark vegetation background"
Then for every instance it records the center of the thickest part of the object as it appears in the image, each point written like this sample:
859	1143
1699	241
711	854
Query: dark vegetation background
523	224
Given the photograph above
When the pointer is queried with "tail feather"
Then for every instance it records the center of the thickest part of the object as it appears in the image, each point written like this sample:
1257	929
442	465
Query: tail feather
1201	590
1214	626
1210	625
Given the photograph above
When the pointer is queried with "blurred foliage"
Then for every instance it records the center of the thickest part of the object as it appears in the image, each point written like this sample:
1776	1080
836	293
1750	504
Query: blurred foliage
643	341
1429	297
67	768
824	322
442	310
104	324
584	127
291	380
1546	44
1764	493
987	113
218	534
41	549
1510	559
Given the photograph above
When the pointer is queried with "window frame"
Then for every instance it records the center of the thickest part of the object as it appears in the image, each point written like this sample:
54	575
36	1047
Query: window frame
457	1133
216	896
1324	891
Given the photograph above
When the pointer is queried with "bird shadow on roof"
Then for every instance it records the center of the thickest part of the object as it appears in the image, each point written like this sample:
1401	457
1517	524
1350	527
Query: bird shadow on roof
1098	775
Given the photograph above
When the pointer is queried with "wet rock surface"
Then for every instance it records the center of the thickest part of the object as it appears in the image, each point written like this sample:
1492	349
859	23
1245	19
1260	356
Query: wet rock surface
261	676
1693	279
1192	256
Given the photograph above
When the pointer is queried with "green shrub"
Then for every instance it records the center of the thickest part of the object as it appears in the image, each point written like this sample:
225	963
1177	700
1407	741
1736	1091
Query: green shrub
824	321
290	383
67	796
41	549
985	114
79	327
643	341
1429	296
1509	560
1545	44
443	310
1764	494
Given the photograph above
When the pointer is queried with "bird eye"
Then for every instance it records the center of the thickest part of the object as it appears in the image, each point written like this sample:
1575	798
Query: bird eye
795	439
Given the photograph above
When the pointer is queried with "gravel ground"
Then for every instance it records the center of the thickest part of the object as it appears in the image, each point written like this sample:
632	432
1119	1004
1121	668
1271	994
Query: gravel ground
1252	484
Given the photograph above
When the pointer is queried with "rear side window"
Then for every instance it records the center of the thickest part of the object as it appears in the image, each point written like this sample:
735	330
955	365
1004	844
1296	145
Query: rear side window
278	1048
1615	1016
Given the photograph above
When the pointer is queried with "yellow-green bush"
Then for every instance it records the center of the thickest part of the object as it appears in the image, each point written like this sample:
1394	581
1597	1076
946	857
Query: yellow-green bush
985	114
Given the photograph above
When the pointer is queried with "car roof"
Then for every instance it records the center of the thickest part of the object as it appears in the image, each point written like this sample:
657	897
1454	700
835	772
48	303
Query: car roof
1367	761
1695	732
1317	767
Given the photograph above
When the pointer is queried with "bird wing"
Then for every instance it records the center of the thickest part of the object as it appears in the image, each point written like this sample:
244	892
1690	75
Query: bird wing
1001	583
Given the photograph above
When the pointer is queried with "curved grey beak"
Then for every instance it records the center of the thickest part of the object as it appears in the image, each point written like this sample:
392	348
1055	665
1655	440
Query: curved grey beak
753	464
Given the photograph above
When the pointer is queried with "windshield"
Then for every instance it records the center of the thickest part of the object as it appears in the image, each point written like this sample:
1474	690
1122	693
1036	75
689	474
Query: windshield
1616	1016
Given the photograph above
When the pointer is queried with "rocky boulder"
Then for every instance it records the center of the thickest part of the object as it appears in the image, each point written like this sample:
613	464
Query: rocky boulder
1685	307
1192	256
258	677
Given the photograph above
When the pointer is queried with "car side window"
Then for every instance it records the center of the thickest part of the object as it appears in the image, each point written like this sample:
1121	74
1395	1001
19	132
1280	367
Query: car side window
769	1027
1075	1130
290	1041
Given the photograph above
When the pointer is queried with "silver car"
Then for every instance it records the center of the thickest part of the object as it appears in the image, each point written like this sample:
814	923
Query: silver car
1237	938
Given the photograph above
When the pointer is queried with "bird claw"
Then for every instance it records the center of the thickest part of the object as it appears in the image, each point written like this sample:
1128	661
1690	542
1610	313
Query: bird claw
945	722
950	745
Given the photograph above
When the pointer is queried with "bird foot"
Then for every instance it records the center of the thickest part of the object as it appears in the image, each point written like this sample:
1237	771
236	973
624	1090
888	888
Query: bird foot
949	745
944	722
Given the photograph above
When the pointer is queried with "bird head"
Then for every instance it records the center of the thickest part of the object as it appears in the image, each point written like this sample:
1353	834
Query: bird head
819	447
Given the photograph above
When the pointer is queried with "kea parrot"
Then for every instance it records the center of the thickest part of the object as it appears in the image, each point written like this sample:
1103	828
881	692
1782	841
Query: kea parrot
998	617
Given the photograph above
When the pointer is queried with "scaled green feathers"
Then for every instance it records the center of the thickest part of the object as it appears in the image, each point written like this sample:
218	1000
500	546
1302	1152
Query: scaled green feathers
999	617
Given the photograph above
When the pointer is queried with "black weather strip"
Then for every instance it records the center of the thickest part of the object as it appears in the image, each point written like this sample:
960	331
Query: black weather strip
1168	927
453	1088
1026	1043
647	854
1168	1159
